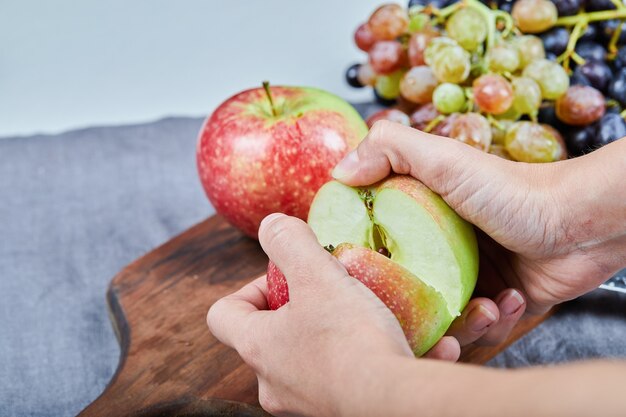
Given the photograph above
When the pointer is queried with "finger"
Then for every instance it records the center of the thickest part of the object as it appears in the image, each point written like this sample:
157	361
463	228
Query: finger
434	160
447	349
228	318
293	247
475	321
511	305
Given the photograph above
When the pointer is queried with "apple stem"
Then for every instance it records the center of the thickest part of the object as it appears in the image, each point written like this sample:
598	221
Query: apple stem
266	87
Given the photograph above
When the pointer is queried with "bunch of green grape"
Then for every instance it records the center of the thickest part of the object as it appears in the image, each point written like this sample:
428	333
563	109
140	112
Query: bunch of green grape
473	73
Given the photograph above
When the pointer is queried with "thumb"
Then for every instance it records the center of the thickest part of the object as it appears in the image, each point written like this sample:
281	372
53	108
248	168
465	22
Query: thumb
293	247
442	164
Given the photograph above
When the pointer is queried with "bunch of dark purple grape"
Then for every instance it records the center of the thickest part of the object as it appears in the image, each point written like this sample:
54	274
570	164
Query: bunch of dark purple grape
528	80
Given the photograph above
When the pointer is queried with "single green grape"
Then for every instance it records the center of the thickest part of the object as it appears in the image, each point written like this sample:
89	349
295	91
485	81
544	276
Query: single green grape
468	27
550	76
534	16
527	95
530	49
503	57
531	142
388	86
436	46
449	98
451	64
417	22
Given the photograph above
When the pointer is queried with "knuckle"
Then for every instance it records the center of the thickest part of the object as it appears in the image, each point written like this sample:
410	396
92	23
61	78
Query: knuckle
279	231
379	131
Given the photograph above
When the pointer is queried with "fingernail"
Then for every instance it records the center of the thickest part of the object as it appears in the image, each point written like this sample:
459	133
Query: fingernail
480	318
269	218
511	303
347	166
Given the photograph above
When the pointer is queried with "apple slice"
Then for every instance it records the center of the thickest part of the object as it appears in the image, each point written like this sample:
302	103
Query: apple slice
412	223
421	310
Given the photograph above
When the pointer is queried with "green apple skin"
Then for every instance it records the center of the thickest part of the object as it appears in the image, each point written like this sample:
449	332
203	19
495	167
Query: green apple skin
421	232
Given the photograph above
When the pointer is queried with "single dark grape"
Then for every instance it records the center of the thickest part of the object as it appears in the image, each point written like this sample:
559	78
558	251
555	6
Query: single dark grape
555	40
591	33
579	140
567	7
578	78
598	73
352	76
620	59
608	27
591	51
383	101
617	87
506	5
611	127
547	115
595	5
435	3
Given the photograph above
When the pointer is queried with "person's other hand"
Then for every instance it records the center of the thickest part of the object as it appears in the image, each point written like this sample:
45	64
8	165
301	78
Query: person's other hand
530	254
305	353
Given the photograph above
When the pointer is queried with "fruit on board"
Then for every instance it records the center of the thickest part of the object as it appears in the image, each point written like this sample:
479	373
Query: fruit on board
270	149
404	243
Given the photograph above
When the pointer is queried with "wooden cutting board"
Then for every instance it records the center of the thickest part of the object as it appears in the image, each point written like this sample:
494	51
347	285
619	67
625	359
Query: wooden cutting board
170	365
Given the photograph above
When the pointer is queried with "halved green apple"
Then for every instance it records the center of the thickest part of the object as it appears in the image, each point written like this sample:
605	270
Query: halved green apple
412	223
404	243
404	219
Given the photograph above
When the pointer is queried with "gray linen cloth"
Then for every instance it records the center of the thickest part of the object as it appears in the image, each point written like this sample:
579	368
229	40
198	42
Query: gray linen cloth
75	208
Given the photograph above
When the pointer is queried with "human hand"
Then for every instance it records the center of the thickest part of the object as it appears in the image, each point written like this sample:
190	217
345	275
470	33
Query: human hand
306	353
529	242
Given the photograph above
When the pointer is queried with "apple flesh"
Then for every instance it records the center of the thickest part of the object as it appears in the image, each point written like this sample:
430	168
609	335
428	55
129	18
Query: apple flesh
432	246
270	150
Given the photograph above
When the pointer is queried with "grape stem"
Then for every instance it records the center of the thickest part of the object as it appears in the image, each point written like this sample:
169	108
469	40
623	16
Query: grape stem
508	22
592	17
442	14
266	87
489	15
613	42
433	123
570	51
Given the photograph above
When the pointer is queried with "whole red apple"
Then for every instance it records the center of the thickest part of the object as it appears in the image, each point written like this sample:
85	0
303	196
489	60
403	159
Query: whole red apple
269	150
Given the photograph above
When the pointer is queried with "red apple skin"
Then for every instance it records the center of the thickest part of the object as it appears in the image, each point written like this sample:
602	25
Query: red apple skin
252	163
421	310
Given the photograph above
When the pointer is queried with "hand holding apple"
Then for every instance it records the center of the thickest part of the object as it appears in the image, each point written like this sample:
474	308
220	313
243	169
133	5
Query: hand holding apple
430	262
307	354
269	150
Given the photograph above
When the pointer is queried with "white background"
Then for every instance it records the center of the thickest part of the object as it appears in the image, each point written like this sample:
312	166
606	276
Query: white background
67	64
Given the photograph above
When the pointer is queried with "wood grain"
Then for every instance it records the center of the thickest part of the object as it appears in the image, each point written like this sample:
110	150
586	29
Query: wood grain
170	365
